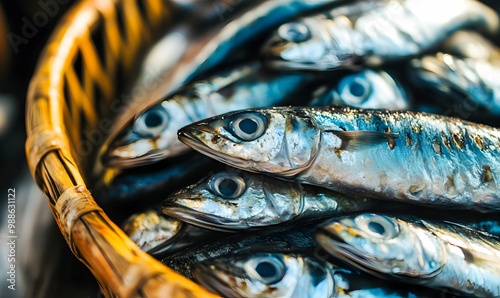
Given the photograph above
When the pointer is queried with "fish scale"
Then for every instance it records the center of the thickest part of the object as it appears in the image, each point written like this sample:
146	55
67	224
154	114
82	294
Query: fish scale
436	254
435	166
374	32
366	152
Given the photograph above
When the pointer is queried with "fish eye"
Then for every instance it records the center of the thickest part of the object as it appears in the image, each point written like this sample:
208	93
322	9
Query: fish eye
226	185
354	89
248	127
294	32
151	122
377	226
267	269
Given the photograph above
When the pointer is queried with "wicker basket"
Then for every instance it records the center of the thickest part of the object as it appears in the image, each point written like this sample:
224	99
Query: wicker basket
77	77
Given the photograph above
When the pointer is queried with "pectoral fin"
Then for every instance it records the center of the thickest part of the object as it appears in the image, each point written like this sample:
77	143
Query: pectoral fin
358	140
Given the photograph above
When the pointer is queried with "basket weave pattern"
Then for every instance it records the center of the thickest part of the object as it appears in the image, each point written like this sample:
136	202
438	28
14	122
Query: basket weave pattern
75	81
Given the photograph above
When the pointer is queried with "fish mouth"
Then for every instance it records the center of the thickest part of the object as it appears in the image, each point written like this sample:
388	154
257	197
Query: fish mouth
207	221
187	137
204	274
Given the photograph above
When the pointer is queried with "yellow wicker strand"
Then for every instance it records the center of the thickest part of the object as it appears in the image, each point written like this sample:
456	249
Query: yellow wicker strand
120	267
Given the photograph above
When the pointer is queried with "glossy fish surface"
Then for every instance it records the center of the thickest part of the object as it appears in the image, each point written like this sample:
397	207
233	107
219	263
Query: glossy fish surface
149	229
435	254
467	85
160	235
420	158
238	200
273	274
291	238
372	32
367	89
152	135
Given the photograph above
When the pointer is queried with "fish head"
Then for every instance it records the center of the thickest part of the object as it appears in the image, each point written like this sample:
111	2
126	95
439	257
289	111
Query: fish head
382	244
151	136
273	140
231	200
150	229
370	89
265	275
308	44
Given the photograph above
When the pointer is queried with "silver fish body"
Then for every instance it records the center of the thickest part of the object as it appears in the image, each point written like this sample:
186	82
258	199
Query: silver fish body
160	235
269	273
374	32
420	158
288	238
468	86
367	89
150	229
266	275
437	255
470	44
237	201
152	135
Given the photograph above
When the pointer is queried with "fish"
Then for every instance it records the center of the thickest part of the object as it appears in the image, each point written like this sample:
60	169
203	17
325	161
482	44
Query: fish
234	200
466	86
152	135
234	41
366	89
434	254
239	36
470	44
372	33
123	189
160	235
268	273
413	157
285	238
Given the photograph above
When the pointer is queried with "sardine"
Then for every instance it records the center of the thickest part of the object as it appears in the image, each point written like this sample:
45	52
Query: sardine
235	201
296	238
149	184
150	229
367	89
467	86
274	274
372	32
152	135
437	255
470	44
161	235
420	158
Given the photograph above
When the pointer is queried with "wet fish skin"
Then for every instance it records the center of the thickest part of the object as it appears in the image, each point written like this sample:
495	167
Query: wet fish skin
291	275
289	238
234	200
469	44
239	36
372	32
152	134
160	235
420	158
468	83
148	185
435	254
150	229
367	89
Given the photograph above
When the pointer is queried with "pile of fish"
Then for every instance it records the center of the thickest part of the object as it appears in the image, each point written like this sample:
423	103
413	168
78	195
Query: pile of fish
351	145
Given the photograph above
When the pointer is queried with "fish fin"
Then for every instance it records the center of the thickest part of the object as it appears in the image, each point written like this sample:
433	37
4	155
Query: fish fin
357	140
